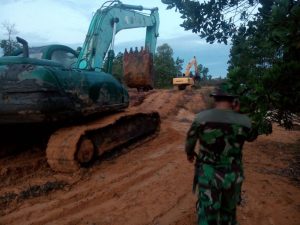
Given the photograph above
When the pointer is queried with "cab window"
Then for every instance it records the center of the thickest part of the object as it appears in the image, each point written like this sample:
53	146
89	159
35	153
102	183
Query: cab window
65	58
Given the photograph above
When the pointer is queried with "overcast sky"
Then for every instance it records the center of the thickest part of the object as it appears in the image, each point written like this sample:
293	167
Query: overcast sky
43	22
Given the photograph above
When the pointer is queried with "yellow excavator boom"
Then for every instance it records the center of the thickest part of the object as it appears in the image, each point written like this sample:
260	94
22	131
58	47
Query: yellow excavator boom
192	62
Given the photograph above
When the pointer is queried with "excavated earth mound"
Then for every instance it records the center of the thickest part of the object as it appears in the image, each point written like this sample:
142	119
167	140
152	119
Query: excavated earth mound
150	183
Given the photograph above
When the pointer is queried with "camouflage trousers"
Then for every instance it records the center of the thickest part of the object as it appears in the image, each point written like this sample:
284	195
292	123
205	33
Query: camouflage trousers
218	195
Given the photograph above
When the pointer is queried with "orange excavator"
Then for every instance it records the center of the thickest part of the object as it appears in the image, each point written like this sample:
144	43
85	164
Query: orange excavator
187	79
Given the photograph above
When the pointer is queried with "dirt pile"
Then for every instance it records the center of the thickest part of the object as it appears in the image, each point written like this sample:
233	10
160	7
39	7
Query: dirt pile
150	184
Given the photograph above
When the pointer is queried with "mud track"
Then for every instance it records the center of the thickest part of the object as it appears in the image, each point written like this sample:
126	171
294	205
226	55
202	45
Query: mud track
150	183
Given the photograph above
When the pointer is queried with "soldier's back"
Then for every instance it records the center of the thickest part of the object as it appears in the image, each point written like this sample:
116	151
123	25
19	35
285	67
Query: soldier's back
222	134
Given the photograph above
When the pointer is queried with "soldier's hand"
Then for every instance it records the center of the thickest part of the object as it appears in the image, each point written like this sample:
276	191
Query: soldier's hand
190	158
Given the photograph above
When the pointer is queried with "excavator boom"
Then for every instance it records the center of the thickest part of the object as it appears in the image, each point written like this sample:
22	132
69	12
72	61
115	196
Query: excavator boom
107	22
192	62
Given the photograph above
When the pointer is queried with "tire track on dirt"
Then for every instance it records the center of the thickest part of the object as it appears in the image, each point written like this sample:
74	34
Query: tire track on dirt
137	177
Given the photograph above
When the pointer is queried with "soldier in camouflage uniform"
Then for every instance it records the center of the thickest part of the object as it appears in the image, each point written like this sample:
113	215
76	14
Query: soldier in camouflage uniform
221	132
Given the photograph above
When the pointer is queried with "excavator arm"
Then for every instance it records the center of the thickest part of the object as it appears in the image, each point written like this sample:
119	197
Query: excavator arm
108	21
191	63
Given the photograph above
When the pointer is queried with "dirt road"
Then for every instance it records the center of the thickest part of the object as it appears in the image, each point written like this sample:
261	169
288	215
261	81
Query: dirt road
151	183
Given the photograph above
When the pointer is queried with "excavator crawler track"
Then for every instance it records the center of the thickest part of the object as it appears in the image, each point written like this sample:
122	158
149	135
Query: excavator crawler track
70	147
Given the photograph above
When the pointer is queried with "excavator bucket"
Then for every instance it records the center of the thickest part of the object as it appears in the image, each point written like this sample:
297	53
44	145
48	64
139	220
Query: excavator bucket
138	69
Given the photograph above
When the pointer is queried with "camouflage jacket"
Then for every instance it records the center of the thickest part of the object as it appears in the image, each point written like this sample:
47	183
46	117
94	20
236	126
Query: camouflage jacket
221	134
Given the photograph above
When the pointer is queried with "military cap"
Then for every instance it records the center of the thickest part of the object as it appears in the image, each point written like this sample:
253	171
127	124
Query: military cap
223	91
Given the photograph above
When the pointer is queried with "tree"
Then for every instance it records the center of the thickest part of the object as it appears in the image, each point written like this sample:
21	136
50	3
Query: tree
9	45
164	66
264	64
179	65
117	68
203	71
215	20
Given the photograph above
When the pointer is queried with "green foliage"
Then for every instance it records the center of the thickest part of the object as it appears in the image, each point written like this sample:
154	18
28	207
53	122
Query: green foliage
165	67
117	68
214	20
9	46
179	65
265	65
203	72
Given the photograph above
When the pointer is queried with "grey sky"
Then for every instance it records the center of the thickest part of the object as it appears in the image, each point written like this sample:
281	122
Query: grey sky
43	22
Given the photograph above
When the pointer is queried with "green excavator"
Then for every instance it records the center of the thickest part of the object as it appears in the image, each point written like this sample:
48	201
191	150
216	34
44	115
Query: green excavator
57	85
